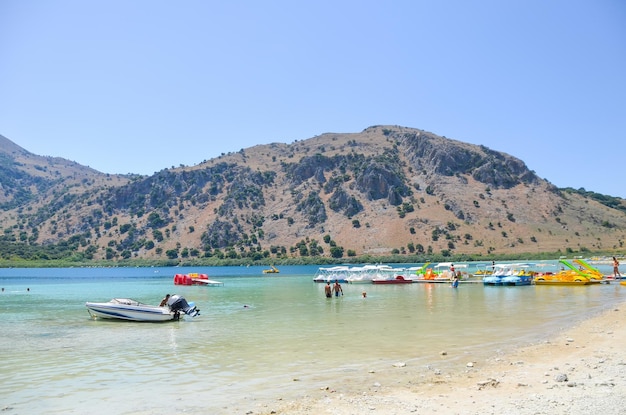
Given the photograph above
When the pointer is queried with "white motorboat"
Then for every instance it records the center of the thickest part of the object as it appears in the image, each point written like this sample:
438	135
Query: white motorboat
127	309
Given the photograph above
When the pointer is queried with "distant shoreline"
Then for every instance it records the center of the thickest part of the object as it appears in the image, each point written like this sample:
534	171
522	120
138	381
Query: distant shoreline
599	259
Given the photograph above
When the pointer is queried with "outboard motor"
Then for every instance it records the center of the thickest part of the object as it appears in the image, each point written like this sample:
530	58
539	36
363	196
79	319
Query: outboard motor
178	304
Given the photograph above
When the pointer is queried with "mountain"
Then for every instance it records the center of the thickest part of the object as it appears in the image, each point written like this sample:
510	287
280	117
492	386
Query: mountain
26	178
386	190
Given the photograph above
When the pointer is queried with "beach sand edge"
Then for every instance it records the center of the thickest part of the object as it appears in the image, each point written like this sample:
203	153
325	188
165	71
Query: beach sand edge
580	370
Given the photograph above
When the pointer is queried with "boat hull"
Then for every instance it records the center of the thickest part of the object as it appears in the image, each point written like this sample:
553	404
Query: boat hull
129	310
492	280
389	282
207	283
195	279
358	281
565	283
331	280
517	280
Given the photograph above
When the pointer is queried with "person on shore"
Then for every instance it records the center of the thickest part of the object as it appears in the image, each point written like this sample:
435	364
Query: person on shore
616	273
328	290
452	271
164	300
337	288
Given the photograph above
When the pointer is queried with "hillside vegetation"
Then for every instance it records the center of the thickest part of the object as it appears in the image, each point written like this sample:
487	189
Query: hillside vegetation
385	193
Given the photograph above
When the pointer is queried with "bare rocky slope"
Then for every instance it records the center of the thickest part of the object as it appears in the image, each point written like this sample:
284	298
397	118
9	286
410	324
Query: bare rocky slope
386	190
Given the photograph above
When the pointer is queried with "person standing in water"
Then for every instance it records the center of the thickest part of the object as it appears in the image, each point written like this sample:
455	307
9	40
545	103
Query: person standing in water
616	273
337	288
455	281
328	290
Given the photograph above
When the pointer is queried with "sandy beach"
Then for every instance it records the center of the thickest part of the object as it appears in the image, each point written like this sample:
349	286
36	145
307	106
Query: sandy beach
580	370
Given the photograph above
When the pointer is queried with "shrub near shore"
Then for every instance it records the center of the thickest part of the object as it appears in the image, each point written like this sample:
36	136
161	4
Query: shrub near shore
217	262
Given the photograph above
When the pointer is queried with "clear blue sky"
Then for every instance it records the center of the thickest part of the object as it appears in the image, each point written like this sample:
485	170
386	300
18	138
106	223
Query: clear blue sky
142	85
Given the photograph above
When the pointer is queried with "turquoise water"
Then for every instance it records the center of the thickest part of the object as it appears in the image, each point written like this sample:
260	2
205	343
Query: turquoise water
256	336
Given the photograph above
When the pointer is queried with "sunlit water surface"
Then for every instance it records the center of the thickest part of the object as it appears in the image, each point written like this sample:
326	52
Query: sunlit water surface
258	336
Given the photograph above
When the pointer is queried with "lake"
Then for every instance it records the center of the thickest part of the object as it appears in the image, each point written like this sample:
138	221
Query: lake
259	336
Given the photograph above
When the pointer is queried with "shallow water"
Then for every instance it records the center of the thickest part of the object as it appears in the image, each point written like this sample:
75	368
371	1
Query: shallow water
56	359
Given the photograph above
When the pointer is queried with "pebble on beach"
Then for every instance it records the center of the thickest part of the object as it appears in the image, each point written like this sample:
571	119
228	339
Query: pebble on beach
561	377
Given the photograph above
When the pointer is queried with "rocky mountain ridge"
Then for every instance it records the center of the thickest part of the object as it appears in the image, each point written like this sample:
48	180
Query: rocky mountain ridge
386	190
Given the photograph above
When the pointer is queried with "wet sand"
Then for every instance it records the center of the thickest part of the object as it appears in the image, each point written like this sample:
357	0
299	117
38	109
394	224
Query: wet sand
578	371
